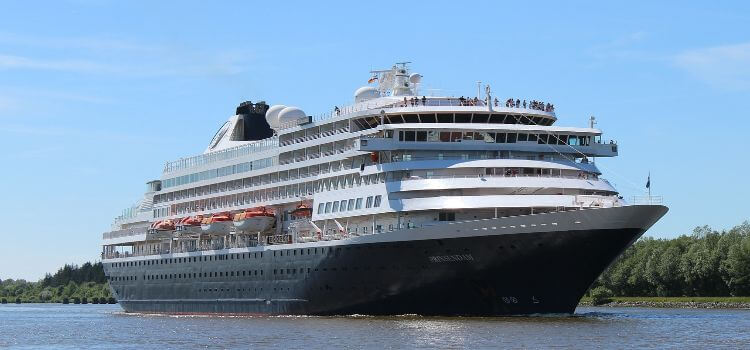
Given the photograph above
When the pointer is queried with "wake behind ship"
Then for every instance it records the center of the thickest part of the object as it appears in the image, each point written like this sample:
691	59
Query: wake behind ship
397	204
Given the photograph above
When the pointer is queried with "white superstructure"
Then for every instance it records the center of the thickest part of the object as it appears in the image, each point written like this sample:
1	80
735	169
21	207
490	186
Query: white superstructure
393	160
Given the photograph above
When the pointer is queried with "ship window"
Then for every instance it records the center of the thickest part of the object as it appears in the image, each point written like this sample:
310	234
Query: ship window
523	137
411	118
428	118
368	204
335	206
409	135
511	138
463	118
358	205
455	136
488	137
377	201
351	205
445	118
480	118
328	207
447	216
445	136
422	136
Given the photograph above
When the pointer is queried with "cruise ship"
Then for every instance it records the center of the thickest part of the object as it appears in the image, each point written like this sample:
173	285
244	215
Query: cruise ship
398	203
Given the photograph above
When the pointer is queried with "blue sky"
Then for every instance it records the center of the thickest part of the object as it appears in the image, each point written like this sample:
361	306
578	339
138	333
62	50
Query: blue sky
96	95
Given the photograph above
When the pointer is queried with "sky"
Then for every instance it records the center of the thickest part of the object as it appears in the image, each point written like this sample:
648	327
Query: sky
95	96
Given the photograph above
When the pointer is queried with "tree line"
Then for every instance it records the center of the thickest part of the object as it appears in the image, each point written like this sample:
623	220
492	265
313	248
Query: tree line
705	263
69	283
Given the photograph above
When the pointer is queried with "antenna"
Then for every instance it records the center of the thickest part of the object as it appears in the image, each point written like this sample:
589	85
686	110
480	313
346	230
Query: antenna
592	122
488	91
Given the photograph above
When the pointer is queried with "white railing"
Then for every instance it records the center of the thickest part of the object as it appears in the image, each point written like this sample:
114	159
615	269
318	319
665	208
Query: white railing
429	177
229	153
314	136
124	233
647	200
428	102
414	158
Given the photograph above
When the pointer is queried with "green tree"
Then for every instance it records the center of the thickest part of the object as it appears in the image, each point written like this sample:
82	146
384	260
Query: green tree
737	266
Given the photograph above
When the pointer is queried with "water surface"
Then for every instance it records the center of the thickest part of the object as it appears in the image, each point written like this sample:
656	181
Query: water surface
56	326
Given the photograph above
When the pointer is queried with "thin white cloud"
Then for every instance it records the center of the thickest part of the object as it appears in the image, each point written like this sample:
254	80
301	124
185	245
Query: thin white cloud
16	102
68	43
8	62
96	55
177	64
725	66
32	153
621	48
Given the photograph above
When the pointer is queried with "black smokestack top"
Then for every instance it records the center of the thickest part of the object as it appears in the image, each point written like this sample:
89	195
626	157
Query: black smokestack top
255	126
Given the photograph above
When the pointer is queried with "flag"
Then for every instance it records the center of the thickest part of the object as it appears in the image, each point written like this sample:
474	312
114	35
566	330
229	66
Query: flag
372	79
648	182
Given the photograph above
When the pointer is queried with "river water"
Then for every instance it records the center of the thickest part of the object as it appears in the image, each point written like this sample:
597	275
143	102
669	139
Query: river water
56	326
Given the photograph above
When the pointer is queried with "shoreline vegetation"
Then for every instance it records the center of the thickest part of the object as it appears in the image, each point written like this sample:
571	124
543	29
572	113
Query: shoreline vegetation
72	284
707	269
673	302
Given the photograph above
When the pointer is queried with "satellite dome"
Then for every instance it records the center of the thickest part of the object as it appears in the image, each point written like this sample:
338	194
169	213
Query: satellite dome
272	115
415	78
289	114
366	93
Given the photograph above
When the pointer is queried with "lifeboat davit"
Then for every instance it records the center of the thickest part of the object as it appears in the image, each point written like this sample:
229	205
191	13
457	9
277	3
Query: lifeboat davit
191	224
164	225
217	224
303	210
254	220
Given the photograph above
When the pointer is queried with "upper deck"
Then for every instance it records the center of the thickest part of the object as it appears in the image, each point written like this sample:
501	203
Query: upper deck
410	109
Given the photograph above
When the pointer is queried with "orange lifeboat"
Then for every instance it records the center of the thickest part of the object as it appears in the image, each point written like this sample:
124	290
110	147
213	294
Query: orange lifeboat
303	210
217	224
192	221
190	224
254	220
164	225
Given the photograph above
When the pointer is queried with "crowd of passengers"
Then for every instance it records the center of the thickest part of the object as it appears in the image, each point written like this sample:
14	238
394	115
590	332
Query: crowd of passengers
533	104
468	101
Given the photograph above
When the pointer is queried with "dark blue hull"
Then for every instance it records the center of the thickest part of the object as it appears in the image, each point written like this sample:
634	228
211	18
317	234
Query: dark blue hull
505	274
